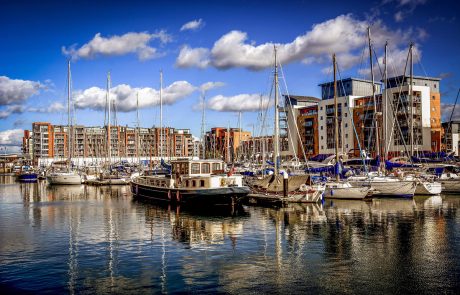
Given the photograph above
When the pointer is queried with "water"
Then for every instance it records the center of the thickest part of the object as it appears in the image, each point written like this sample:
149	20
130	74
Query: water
77	239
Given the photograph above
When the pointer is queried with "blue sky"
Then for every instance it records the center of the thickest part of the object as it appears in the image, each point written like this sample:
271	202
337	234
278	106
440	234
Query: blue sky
227	43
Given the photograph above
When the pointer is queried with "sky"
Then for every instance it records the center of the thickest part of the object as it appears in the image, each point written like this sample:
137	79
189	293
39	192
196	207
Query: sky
220	50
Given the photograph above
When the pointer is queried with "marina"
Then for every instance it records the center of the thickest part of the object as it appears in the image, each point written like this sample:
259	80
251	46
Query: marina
73	239
235	147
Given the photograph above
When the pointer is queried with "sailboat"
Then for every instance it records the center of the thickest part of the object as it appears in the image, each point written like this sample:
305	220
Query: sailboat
109	175
68	176
383	186
341	189
280	187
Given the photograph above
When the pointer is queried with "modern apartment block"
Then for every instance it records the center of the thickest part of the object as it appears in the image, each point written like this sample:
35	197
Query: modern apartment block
47	141
361	118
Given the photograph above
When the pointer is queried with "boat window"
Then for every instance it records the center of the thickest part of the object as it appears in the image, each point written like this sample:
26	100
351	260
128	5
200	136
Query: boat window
187	183
202	183
193	183
195	168
205	168
215	167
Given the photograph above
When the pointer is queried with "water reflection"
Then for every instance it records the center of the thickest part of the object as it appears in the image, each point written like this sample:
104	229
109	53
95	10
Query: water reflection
97	239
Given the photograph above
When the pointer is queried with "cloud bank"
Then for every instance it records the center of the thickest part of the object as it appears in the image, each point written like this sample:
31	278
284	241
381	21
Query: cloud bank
344	35
132	42
14	91
238	103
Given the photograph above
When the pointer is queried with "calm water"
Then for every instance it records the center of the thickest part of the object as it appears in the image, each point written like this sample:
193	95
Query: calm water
77	239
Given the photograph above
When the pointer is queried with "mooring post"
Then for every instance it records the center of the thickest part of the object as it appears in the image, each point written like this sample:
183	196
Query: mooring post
285	183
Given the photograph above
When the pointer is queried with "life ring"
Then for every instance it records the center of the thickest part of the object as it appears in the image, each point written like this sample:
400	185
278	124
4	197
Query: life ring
222	182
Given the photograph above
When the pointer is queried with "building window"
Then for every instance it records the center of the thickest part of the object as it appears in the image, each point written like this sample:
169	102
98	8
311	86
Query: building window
347	145
434	97
346	125
321	127
195	168
321	118
321	137
322	147
346	104
434	85
321	108
346	135
346	115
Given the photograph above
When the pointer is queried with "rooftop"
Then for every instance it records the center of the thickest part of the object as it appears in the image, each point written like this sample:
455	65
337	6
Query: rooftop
302	98
415	77
349	79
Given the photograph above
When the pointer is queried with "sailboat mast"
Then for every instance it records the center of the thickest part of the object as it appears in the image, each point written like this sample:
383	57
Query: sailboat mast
68	115
161	114
277	135
109	143
203	124
336	117
239	147
138	129
384	117
377	142
411	101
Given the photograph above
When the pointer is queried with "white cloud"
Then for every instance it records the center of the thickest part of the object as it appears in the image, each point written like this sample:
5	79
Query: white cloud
193	25
193	57
132	42
343	35
14	91
12	137
11	109
238	103
52	108
211	85
125	96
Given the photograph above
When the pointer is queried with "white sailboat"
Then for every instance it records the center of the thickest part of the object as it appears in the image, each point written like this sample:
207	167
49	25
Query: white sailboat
68	176
341	189
384	186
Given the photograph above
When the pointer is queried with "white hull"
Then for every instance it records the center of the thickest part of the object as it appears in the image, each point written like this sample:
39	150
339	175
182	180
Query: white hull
428	188
64	178
345	191
450	186
388	188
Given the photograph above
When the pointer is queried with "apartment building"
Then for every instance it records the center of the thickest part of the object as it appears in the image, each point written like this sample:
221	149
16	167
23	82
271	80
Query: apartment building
362	117
52	142
217	139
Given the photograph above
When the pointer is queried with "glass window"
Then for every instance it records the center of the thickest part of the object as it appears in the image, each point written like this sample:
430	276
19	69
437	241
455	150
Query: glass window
215	167
195	168
205	168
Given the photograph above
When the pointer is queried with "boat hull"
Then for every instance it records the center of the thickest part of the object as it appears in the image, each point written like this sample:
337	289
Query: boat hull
428	188
210	196
392	189
346	193
451	186
67	178
30	177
